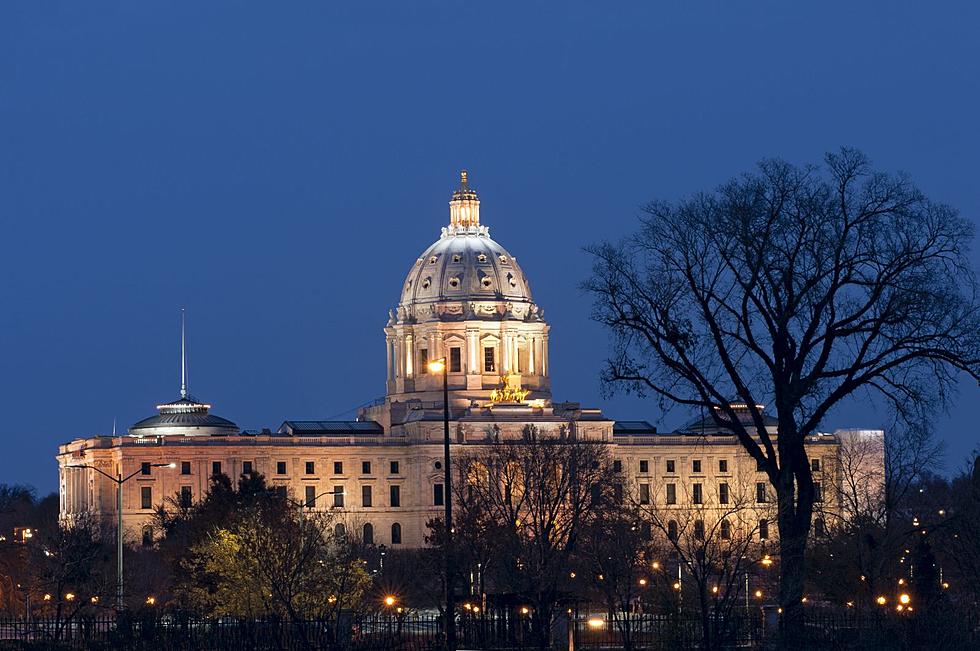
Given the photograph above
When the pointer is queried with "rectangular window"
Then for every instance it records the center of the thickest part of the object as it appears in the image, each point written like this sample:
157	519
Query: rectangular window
699	529
185	467
365	467
617	465
338	467
760	492
338	496
145	468
618	493
367	497
185	496
246	467
394	468
437	495
280	467
310	497
146	497
696	465
696	496
670	465
672	493
644	466
455	360
424	360
488	361
644	493
817	492
815	465
763	529
310	468
215	467
395	496
723	465
723	493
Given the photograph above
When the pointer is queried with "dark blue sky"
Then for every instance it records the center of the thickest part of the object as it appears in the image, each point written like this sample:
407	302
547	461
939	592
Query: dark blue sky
277	167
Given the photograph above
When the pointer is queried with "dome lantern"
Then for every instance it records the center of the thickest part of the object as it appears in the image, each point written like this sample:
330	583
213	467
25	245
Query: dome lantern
464	207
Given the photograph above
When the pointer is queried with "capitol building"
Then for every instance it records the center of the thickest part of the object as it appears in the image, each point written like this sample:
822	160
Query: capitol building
465	299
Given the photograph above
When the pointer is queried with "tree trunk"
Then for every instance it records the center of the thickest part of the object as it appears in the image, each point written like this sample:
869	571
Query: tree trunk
794	492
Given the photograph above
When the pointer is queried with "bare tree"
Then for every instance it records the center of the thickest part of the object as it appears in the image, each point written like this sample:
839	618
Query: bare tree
713	536
533	497
796	287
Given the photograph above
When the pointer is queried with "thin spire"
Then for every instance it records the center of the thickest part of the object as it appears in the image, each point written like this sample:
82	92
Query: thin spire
183	356
463	181
113	425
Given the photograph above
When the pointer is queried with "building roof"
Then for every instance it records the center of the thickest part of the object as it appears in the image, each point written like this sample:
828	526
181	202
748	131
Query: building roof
185	416
633	428
331	428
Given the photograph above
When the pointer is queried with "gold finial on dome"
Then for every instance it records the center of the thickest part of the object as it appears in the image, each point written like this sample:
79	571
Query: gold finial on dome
464	208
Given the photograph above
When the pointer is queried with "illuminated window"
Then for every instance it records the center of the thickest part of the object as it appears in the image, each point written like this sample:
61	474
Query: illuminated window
760	492
396	534
310	497
696	465
488	360
145	468
185	467
644	493
146	497
338	496
763	529
393	468
365	467
723	493
395	496
368	534
280	467
310	468
670	465
367	497
338	467
672	493
644	466
455	360
723	465
696	494
437	499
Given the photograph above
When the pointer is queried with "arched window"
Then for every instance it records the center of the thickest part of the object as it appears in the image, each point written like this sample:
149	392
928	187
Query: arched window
396	534
368	534
672	529
340	530
147	536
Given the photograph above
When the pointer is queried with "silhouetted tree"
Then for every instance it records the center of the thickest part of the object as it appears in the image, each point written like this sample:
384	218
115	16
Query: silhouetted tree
794	287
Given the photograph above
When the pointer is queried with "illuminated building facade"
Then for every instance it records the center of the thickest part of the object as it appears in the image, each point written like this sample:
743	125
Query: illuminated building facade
465	300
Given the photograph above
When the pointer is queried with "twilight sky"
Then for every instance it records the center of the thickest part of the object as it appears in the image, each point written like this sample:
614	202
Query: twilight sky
276	167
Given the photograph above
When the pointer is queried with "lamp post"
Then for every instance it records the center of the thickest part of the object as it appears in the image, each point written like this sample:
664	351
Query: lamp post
441	366
119	481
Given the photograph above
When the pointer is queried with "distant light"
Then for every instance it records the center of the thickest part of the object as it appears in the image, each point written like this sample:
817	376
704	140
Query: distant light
390	600
899	607
150	601
881	601
758	593
94	600
70	596
437	366
714	589
47	597
643	581
571	575
525	610
677	585
901	582
904	598
945	585
595	622
656	565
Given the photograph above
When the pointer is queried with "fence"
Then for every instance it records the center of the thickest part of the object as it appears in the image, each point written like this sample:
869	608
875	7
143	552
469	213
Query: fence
376	632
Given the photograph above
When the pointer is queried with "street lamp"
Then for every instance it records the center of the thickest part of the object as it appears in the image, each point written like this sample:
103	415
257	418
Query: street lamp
120	480
439	366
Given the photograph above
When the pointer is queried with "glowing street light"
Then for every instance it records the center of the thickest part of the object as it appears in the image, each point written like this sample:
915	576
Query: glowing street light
595	622
441	367
881	601
904	598
390	601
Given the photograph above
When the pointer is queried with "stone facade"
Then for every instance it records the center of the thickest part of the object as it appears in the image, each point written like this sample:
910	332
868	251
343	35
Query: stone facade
467	301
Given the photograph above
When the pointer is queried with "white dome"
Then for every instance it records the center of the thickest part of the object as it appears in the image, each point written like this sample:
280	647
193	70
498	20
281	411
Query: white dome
465	267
